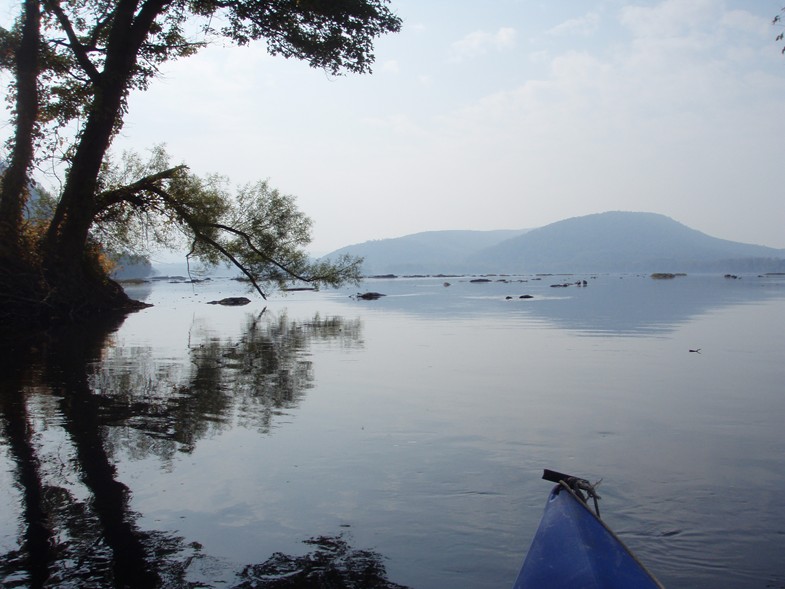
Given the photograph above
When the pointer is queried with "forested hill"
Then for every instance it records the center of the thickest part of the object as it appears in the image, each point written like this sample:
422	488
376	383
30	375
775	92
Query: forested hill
603	242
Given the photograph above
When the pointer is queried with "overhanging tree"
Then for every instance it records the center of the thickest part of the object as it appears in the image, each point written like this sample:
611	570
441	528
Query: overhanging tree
258	229
75	63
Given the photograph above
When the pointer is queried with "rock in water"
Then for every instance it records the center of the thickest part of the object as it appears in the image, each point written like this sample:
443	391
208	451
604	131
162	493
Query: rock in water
369	296
231	301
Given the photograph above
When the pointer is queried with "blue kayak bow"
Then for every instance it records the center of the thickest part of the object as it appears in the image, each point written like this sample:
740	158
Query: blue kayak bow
574	548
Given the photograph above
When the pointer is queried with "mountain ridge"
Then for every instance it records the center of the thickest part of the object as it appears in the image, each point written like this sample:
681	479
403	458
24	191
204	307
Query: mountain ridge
428	249
613	241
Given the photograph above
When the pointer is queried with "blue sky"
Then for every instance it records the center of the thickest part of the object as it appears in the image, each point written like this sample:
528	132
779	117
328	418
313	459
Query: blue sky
499	115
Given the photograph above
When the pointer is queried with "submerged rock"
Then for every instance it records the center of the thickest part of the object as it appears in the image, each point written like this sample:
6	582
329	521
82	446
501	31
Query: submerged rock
231	301
370	296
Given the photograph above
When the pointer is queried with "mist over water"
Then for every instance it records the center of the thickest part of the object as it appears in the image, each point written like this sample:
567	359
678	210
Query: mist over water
403	436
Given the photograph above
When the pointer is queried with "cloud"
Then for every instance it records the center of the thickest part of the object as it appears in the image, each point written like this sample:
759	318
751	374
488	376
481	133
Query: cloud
688	37
392	66
416	27
584	26
702	24
670	18
674	124
480	42
397	124
743	21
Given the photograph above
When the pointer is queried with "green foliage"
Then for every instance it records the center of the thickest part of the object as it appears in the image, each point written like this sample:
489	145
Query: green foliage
258	229
76	47
133	212
89	55
334	35
281	230
86	42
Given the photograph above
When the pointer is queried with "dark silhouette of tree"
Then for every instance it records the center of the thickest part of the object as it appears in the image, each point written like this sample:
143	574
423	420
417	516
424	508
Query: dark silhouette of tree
85	58
13	190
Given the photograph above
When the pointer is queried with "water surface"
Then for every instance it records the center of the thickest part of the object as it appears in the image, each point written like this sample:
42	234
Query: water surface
408	432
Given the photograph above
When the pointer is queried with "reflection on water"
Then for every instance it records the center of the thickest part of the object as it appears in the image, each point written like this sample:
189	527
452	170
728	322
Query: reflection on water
627	304
197	446
167	405
333	563
70	538
71	398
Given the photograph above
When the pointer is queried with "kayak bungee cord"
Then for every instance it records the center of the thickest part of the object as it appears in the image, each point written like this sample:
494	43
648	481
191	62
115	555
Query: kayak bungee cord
577	485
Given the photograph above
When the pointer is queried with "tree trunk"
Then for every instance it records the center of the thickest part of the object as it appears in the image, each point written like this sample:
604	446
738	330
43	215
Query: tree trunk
68	232
67	263
78	286
15	180
69	229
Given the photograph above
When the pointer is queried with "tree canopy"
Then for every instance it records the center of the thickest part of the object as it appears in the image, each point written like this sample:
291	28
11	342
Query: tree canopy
74	64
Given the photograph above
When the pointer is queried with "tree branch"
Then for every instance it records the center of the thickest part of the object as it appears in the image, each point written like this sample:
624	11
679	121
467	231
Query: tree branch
79	50
125	193
195	227
234	261
249	242
247	238
99	28
140	28
199	227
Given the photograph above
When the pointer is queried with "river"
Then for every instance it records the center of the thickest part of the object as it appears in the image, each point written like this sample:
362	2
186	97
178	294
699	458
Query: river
398	441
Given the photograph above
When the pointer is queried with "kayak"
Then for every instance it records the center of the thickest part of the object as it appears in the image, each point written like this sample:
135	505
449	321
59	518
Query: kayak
574	548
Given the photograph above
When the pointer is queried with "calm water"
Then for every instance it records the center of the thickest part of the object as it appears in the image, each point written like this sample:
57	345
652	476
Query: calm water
198	445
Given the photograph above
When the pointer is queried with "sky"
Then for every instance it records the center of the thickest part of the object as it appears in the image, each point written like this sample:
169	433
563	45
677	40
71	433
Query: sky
505	114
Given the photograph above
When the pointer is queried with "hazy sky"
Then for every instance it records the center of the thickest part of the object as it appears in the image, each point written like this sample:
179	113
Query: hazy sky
500	115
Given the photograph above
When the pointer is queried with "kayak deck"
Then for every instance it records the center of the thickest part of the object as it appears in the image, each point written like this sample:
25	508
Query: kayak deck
574	548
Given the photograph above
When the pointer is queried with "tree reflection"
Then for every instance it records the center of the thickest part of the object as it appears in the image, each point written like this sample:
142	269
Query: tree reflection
36	554
71	400
333	563
79	529
161	407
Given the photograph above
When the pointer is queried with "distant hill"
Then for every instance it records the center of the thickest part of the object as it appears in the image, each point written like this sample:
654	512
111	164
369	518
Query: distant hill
427	252
132	266
604	242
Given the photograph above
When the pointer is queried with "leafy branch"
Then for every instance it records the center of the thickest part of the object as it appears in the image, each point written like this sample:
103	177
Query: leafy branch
260	231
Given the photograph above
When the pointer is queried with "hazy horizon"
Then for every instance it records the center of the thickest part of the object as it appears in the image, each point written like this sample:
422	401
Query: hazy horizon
173	258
